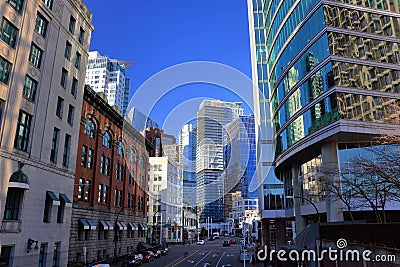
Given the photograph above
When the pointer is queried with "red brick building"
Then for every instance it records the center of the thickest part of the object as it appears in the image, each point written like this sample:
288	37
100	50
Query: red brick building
110	191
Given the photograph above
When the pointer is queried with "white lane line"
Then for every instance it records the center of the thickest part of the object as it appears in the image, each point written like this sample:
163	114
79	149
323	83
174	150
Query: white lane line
220	259
202	259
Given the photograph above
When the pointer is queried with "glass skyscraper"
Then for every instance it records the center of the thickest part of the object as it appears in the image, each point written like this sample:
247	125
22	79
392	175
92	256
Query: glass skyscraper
212	118
187	157
330	70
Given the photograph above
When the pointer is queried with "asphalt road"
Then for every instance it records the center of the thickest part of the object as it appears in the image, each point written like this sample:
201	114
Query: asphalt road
211	254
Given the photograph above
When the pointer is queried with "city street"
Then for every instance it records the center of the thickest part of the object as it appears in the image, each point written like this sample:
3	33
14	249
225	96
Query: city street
211	254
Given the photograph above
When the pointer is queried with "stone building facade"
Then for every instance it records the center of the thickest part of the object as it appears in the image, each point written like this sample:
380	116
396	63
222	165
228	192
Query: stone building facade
43	47
110	193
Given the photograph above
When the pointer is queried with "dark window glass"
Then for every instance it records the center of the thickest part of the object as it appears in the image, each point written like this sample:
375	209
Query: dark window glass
42	255
71	111
60	107
74	86
90	159
67	51
41	25
16	4
64	77
84	156
48	3
8	33
54	145
89	129
13	206
71	27
78	58
60	210
23	131
107	139
81	186
56	255
87	191
35	56
81	37
30	88
5	256
67	147
5	69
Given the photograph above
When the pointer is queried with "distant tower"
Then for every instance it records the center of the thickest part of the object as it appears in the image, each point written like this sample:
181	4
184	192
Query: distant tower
212	117
109	77
187	157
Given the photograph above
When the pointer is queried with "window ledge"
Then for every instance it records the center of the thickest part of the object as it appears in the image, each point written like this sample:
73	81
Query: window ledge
9	226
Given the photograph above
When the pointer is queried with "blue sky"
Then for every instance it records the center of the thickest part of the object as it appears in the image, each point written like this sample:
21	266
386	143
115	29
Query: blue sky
157	34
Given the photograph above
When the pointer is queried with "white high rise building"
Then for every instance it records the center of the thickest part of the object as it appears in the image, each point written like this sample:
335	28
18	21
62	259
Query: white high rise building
109	77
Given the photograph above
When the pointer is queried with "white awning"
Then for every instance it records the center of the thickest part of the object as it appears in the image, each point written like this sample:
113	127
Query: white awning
110	225
133	226
91	224
66	200
53	197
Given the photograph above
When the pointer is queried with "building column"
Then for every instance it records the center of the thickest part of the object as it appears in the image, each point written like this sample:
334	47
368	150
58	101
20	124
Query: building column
297	184
334	207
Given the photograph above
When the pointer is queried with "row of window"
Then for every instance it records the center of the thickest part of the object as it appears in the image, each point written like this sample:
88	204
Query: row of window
55	144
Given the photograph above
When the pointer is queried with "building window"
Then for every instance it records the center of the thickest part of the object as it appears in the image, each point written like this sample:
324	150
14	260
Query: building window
1	109
87	191
78	58
121	172
81	37
105	194
67	51
81	186
5	68
13	206
89	129
141	162
67	147
54	145
8	33
60	107
102	164
16	4
64	200
117	171
108	166
41	25
72	22
30	88
23	131
84	156
132	156
35	56
64	78
106	139
74	86
100	195
56	255
51	199
6	256
48	3
90	159
120	148
43	255
71	111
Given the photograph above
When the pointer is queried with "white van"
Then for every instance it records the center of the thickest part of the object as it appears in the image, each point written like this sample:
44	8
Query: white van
215	235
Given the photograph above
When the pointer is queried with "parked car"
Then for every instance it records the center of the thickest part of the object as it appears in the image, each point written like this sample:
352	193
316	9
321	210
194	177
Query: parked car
211	238
102	265
148	256
215	235
200	242
164	252
232	241
157	253
226	243
134	260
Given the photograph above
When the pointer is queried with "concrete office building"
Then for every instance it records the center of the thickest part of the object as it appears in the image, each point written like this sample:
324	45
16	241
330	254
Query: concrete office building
212	117
165	200
109	76
187	155
332	81
43	50
110	195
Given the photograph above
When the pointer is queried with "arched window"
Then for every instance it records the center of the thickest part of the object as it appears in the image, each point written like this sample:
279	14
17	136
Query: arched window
132	156
106	139
141	162
120	148
89	129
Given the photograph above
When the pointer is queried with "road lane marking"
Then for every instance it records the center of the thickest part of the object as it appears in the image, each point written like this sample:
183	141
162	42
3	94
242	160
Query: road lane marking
202	259
181	259
220	259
